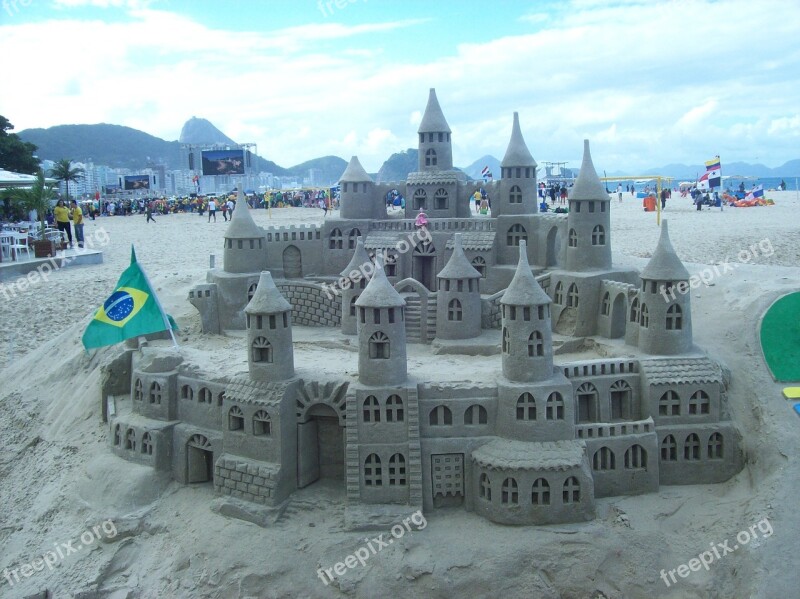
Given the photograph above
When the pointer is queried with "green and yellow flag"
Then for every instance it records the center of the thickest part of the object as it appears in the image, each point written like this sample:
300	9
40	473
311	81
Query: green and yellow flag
132	310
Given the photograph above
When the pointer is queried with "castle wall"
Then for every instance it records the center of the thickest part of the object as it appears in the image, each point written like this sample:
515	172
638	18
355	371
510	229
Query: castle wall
691	454
312	304
142	441
295	251
550	415
199	402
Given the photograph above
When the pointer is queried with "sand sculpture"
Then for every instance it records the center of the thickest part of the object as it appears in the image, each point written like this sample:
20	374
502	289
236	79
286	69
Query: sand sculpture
536	445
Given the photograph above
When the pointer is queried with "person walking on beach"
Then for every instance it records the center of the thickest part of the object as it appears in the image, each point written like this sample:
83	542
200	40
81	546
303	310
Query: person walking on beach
77	222
149	212
212	209
61	214
231	206
224	207
619	192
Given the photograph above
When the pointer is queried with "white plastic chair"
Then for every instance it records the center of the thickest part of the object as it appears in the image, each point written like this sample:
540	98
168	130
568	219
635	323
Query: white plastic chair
6	241
20	243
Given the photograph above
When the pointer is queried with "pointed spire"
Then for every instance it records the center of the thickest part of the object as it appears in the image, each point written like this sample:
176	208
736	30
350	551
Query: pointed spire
524	289
458	266
355	173
517	153
267	299
242	225
379	292
665	264
433	120
588	185
358	261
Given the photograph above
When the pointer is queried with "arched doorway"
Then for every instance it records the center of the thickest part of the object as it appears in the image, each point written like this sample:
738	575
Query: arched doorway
618	311
420	312
199	460
423	264
292	263
320	446
552	247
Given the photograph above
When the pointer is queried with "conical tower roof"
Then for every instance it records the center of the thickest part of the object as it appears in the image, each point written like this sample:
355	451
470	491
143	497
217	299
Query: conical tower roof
242	225
267	299
458	266
524	289
588	185
433	120
355	173
359	259
665	264
517	153
379	293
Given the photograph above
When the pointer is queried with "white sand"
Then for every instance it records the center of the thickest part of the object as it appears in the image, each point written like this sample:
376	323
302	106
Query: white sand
58	478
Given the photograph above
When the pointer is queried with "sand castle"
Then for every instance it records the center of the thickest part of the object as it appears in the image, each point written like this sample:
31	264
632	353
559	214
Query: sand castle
536	445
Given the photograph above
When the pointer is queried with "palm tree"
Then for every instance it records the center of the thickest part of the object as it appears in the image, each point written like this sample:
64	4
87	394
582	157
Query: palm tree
36	197
63	171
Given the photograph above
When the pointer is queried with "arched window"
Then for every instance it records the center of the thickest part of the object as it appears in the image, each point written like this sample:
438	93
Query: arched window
220	398
540	492
620	400
262	424
353	238
235	419
476	414
440	199
572	490
485	487
669	449
535	344
155	393
516	233
674	318
644	318
397	470
515	195
587	398
558	296
635	310
598	235
603	459
205	395
572	296
526	407
373	475
715	447
147	444
379	346
390	264
605	304
430	157
440	416
335	239
506	341
353	305
479	264
572	238
454	311
372	409
130	439
138	393
262	350
394	409
187	392
419	199
117	435
251	291
691	448
669	404
510	493
699	403
554	409
636	458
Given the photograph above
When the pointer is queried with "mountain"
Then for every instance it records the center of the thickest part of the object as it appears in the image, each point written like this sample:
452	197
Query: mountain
474	170
201	131
398	165
330	167
745	169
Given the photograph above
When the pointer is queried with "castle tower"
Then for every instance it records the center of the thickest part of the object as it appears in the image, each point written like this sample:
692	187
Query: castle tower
665	311
357	199
589	220
353	290
435	149
517	185
245	246
458	310
381	332
270	354
527	350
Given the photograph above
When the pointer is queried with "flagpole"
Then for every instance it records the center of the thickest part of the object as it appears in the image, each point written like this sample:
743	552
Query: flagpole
158	303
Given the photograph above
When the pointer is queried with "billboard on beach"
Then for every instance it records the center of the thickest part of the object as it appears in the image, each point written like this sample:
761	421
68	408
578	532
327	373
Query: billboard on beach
223	162
136	181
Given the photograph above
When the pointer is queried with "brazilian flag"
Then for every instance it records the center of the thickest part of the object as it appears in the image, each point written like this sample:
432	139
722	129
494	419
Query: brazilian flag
132	310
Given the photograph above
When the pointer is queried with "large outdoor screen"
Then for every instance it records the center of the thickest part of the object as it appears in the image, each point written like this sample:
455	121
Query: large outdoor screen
137	181
223	162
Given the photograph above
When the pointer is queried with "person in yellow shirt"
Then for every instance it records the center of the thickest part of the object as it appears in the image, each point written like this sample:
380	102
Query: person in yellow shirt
77	221
61	214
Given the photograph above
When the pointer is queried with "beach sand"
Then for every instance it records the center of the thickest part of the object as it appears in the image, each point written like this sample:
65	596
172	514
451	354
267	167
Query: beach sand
59	477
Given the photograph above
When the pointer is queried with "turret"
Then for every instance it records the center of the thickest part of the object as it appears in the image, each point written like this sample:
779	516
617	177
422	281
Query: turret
435	149
589	220
527	340
517	189
362	266
357	199
665	317
245	247
381	332
459	303
269	333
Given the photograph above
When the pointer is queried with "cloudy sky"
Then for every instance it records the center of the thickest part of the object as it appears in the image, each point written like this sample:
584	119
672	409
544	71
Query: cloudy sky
648	82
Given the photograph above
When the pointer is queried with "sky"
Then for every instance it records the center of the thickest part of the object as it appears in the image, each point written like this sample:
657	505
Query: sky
648	82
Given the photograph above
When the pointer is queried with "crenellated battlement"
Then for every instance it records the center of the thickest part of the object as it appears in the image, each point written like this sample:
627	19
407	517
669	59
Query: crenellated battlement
293	233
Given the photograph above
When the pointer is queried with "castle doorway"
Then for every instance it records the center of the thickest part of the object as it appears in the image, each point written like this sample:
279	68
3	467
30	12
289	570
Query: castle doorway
199	460
320	447
423	264
292	263
618	312
552	247
447	479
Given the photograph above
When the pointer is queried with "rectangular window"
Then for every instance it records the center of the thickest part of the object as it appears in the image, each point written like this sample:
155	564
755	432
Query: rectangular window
272	321
376	314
